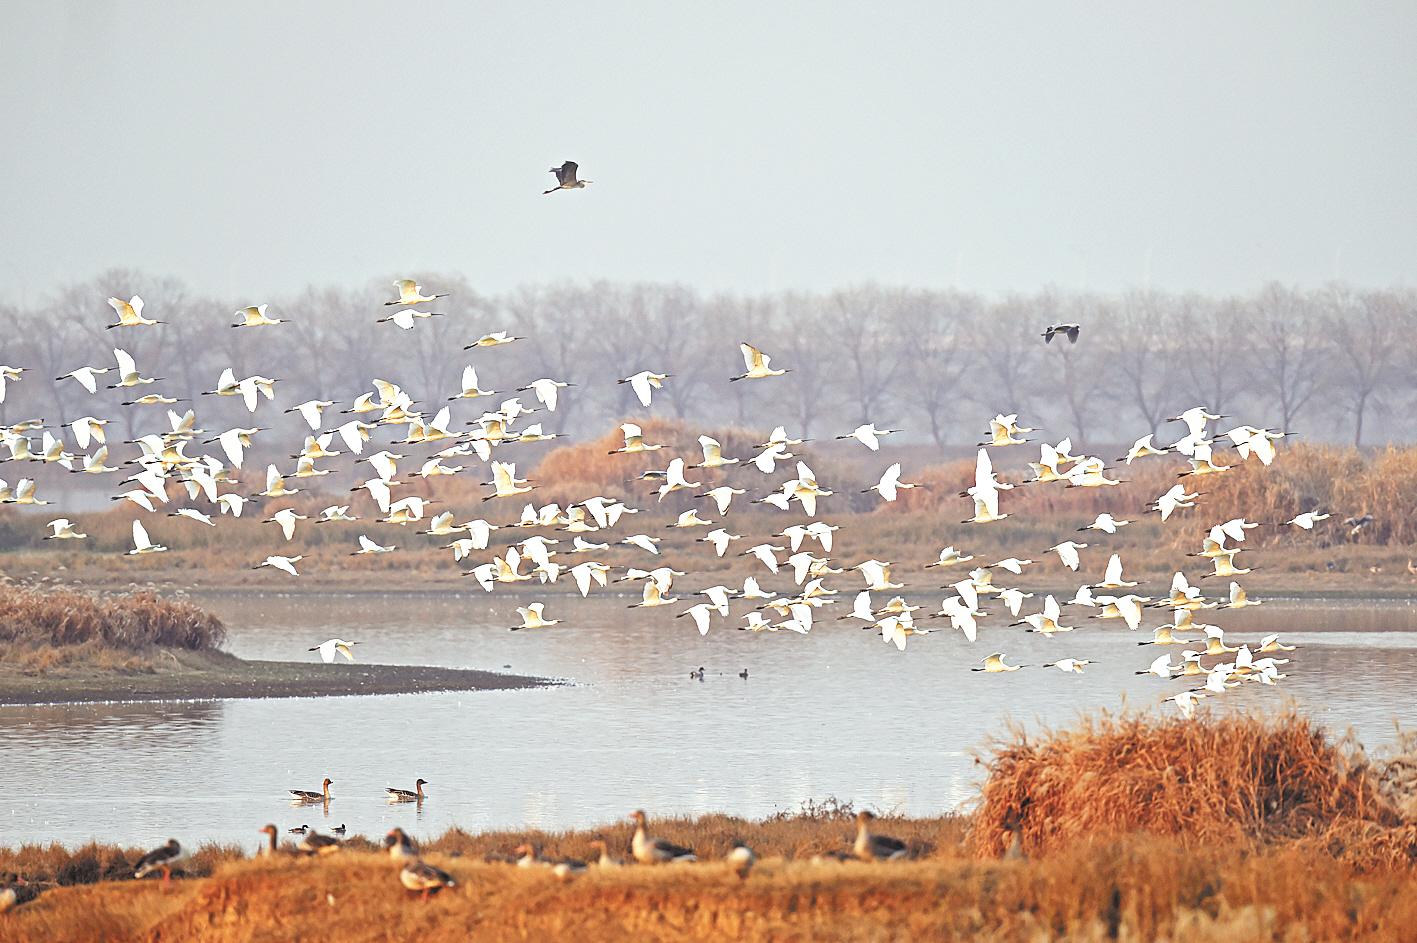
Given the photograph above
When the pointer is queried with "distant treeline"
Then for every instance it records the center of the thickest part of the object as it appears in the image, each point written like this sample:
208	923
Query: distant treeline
1332	363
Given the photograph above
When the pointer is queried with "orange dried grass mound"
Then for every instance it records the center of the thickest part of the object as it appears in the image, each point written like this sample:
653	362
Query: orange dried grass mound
130	621
1227	780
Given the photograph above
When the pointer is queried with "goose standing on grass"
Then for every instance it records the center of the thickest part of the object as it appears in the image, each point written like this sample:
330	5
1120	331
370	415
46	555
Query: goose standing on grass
649	850
163	859
741	859
316	844
566	178
419	875
605	858
270	847
872	847
305	795
404	795
401	847
328	648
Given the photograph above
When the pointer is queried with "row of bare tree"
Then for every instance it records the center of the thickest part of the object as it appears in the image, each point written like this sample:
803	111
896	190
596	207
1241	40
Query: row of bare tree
1337	362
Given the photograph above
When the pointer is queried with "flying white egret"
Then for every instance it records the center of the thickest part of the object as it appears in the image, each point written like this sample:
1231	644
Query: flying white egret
1067	552
63	529
128	375
130	313
1106	523
1074	665
494	339
995	663
645	383
533	618
700	613
192	514
329	647
545	390
285	564
1307	520
634	441
404	317
890	483
368	546
868	435
141	543
411	293
255	316
85	377
756	364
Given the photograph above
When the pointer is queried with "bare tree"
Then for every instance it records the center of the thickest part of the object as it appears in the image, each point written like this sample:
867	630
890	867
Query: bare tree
1367	329
1289	349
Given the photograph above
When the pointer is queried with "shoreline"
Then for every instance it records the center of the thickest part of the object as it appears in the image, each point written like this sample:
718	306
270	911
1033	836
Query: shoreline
216	676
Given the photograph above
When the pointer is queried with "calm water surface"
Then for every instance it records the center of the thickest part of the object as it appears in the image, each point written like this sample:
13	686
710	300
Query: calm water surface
837	713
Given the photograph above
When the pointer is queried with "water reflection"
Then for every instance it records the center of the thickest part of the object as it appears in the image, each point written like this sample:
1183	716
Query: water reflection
834	714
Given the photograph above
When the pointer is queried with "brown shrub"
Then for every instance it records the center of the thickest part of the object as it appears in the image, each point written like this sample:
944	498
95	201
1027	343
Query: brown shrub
1235	780
31	618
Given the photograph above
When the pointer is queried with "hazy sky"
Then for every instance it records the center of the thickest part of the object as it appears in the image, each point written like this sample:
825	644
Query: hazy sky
253	148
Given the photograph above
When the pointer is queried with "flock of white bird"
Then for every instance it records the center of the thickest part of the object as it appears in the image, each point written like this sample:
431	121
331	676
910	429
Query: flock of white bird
163	462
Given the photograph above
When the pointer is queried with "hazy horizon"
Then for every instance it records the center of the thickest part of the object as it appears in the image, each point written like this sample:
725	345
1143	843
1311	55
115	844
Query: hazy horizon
253	152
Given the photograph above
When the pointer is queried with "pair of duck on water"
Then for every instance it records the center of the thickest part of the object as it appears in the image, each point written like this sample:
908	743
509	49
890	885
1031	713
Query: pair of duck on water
394	795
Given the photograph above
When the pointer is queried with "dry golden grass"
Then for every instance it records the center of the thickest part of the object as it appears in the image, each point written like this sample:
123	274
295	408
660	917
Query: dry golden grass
1232	781
55	621
1136	888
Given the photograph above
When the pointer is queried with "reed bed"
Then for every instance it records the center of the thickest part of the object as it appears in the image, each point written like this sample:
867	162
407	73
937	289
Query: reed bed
59	618
1233	781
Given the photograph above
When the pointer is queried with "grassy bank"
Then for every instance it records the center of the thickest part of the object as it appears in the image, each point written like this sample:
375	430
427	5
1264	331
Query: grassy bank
1222	829
64	646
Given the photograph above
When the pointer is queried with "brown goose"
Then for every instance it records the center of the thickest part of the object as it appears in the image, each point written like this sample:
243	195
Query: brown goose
871	847
404	795
606	860
741	859
161	859
270	847
649	850
418	875
400	846
304	795
316	844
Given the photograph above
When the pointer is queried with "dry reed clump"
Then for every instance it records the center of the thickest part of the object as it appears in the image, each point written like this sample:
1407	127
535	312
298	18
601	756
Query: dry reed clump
33	619
1231	779
1343	481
